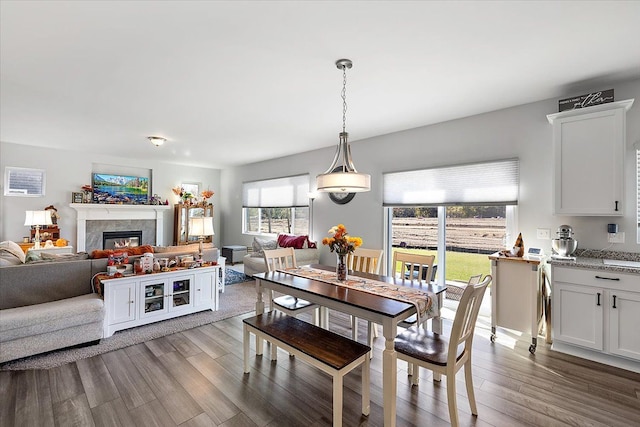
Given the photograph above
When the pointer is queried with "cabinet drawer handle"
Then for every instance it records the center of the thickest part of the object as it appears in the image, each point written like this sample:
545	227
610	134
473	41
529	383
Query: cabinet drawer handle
616	209
598	302
614	302
617	279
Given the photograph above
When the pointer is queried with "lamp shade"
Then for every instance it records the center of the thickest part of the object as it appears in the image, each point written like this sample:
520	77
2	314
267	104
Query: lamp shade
345	182
201	226
37	218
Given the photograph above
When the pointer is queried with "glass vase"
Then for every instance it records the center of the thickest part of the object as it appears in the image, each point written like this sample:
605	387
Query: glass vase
341	267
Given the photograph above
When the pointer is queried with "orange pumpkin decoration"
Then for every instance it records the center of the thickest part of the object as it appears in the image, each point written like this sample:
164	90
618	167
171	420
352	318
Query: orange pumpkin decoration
61	243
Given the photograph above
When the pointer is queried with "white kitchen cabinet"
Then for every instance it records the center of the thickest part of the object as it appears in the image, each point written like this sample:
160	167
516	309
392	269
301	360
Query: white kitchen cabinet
588	149
138	300
624	323
596	315
578	315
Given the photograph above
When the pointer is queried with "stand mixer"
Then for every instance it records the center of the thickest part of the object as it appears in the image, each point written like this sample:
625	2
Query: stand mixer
564	245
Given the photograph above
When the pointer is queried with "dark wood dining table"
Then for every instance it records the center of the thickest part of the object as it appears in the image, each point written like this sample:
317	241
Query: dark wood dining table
383	310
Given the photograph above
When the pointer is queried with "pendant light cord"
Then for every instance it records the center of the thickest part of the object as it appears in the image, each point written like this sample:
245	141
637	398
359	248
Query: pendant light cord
344	98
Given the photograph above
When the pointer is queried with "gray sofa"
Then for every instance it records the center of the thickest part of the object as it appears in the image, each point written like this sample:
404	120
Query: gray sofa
51	305
254	261
44	307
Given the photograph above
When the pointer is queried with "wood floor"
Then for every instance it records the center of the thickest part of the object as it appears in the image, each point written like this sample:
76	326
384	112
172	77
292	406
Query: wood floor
195	378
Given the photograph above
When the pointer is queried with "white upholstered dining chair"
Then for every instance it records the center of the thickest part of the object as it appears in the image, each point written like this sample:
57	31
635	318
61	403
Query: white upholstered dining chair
420	347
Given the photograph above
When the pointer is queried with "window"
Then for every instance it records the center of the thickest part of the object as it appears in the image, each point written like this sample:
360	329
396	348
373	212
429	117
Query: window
460	237
458	213
24	182
638	192
276	220
276	206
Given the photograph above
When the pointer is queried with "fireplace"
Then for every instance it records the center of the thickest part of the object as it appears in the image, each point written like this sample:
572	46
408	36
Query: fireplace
121	239
94	217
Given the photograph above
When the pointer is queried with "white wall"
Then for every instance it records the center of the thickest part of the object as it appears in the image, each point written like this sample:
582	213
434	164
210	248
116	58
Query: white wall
521	132
68	171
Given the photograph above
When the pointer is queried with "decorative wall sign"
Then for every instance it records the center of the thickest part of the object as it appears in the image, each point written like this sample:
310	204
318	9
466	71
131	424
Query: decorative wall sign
587	100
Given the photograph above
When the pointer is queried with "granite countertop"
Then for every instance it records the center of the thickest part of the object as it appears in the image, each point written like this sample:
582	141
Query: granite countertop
594	259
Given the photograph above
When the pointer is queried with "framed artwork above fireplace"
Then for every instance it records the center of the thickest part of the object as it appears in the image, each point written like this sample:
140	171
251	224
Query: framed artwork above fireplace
120	189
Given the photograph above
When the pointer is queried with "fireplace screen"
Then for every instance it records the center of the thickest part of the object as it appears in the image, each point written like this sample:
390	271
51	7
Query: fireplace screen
121	239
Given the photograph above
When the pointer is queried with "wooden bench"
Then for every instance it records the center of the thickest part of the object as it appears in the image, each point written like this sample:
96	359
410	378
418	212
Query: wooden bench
331	353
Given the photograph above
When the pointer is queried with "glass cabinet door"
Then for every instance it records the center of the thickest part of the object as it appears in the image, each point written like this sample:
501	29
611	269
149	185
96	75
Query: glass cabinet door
183	224
193	212
154	297
181	294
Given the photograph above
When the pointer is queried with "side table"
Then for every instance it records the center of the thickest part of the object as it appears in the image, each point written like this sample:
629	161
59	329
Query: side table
25	246
234	253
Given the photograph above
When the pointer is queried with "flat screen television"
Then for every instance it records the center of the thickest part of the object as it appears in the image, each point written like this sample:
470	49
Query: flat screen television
120	189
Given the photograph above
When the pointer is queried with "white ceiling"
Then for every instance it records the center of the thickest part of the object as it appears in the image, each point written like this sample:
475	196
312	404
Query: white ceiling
233	82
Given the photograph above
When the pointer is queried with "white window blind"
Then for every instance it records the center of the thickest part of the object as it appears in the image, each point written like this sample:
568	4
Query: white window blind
480	183
24	182
291	191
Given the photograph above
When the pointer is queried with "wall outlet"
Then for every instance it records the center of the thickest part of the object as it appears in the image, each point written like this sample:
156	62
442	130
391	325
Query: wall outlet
616	237
543	233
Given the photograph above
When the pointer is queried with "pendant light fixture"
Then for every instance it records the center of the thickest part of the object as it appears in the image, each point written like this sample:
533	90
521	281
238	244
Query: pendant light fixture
342	176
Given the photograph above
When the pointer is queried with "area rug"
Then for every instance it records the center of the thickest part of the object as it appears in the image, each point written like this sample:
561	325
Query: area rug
235	300
232	277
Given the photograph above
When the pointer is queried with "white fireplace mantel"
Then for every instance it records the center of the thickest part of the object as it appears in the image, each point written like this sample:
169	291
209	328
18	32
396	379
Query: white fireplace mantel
101	212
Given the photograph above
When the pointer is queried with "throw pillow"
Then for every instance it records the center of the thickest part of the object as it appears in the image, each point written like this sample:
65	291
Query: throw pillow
311	244
192	247
8	259
290	241
136	250
12	248
32	257
49	257
259	245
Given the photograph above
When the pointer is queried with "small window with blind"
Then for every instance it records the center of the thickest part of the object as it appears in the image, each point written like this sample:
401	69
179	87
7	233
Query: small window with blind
24	182
638	193
275	206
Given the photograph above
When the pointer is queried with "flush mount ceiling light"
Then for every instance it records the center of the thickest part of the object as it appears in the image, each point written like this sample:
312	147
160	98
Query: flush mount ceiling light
157	140
342	176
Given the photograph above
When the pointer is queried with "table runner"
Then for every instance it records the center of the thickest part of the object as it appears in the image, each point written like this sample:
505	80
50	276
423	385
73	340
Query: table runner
422	300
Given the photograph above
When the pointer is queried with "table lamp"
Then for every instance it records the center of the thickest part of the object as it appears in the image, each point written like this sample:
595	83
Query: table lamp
37	218
201	227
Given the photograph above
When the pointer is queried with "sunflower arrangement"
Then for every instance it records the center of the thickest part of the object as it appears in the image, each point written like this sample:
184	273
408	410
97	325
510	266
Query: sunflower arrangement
340	242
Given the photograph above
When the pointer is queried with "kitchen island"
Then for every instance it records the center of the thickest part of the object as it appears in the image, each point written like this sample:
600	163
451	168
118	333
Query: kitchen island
517	296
